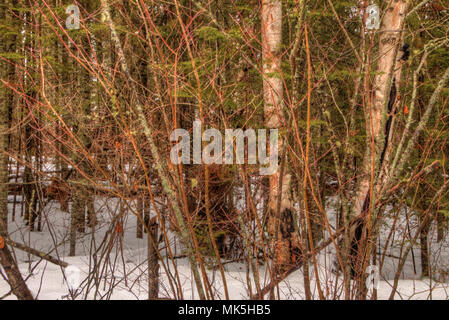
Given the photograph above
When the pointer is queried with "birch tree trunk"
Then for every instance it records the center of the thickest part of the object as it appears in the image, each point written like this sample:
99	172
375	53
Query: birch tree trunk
280	226
389	40
387	75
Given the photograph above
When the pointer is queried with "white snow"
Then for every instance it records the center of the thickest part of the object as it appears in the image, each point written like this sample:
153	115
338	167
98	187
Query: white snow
124	276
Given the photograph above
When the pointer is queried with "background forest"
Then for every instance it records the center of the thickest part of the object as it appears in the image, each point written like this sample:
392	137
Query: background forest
91	90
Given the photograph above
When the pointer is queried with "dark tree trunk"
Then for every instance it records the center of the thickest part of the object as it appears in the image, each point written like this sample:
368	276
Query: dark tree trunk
424	246
140	217
153	264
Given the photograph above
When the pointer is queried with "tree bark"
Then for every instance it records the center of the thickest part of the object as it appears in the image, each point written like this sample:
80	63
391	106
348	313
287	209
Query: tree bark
140	217
387	75
389	40
153	261
280	218
424	245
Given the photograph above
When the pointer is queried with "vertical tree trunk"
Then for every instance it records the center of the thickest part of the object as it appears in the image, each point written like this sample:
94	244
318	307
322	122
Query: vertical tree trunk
389	40
30	199
77	221
424	245
441	225
153	261
280	221
82	199
4	127
388	73
140	217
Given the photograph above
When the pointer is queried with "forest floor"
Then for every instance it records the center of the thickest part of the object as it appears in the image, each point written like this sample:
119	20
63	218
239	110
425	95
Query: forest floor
122	271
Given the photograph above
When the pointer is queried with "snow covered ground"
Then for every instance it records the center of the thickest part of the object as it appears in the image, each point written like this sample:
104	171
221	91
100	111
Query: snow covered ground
118	270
